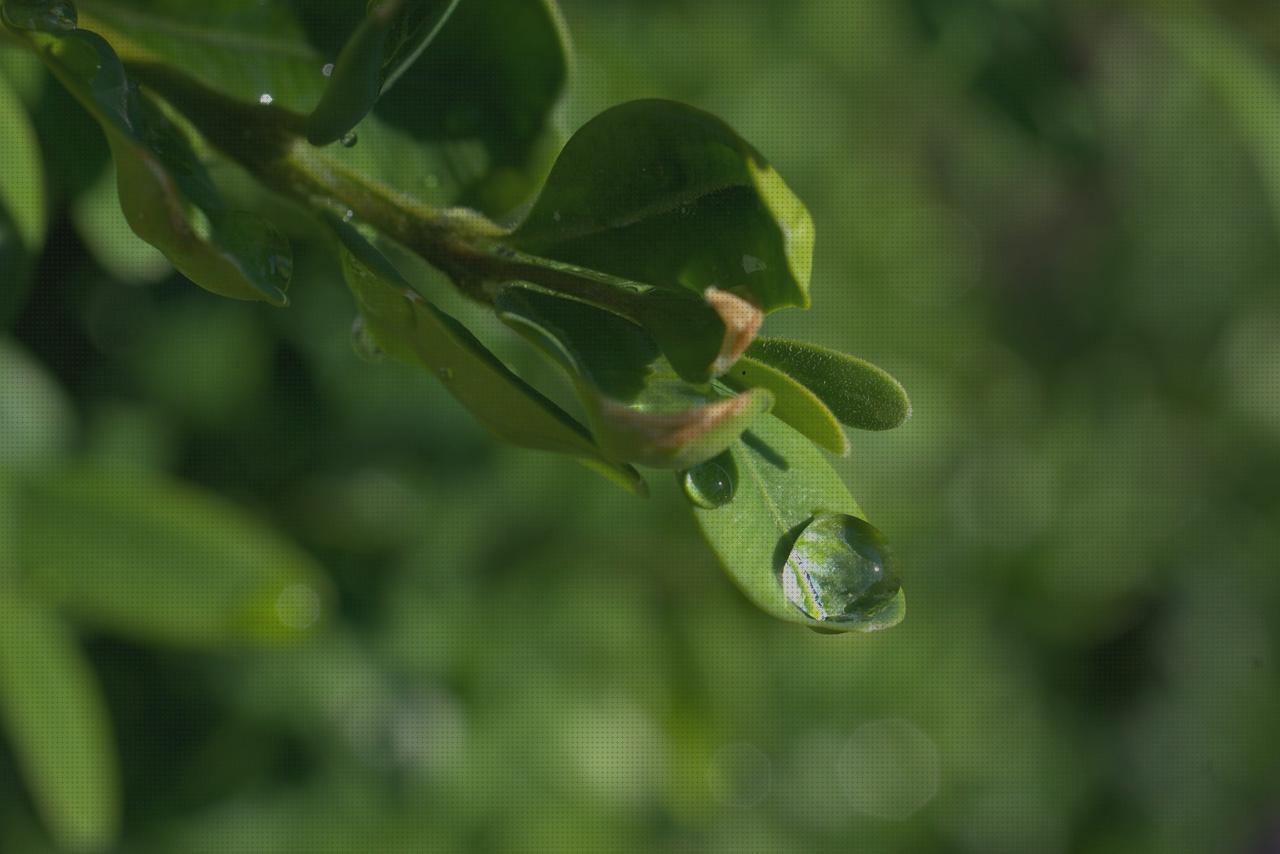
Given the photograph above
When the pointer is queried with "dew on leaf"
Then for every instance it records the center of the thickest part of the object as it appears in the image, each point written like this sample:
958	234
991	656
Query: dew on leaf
349	139
363	343
839	571
711	484
42	15
265	98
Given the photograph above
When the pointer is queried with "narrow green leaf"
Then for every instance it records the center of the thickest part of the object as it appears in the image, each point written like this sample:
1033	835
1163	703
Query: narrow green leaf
412	330
793	403
165	192
52	713
662	193
638	407
780	485
23	210
392	36
860	394
152	559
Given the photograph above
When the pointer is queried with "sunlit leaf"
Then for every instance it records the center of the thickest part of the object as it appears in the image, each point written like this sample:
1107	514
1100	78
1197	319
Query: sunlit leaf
412	330
639	409
52	713
662	193
102	226
860	394
152	559
780	484
392	36
164	191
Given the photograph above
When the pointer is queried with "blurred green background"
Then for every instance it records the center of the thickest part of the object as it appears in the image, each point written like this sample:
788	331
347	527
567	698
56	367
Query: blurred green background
1058	223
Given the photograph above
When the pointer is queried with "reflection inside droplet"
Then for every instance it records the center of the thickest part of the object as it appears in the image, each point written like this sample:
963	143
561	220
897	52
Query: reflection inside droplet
839	571
327	69
711	484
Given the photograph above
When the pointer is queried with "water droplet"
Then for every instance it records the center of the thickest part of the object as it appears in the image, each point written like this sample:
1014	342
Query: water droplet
265	98
556	216
839	571
43	15
349	139
363	343
445	374
349	215
711	484
327	69
752	264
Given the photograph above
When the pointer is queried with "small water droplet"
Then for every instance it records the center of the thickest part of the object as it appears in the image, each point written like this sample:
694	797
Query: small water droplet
265	98
43	15
752	264
839	571
349	215
363	343
445	374
327	69
349	139
711	484
556	216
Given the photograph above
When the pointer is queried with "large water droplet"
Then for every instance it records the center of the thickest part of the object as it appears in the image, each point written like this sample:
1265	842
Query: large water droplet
43	15
363	343
839	571
349	139
711	484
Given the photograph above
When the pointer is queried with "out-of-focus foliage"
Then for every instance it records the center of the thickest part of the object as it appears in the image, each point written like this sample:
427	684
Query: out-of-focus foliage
1054	221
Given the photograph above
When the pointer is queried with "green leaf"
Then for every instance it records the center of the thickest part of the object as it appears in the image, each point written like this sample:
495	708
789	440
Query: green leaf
780	485
860	394
793	403
156	560
23	209
52	713
165	192
665	194
412	330
483	95
638	407
392	36
243	49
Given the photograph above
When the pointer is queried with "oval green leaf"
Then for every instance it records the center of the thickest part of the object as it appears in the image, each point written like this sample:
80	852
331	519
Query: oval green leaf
666	194
782	484
793	403
860	394
155	560
52	713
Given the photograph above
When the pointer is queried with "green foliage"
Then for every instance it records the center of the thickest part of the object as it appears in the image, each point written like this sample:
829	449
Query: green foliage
657	231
